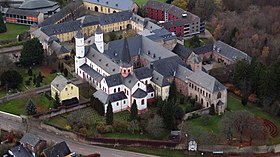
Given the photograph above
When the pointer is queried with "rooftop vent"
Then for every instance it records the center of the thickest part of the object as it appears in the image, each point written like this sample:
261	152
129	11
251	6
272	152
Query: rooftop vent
100	60
154	55
107	2
117	4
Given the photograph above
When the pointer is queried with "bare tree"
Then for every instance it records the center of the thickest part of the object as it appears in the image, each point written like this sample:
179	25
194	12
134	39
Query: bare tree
155	126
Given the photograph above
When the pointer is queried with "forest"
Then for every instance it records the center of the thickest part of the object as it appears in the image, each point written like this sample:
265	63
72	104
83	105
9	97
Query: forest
252	26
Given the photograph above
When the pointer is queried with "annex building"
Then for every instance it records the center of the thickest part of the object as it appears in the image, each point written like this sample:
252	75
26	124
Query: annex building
175	19
128	70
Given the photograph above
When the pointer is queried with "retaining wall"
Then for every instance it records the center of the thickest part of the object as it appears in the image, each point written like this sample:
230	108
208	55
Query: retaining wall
12	117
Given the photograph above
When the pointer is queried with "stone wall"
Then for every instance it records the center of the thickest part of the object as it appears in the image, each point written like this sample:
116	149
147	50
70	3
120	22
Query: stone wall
203	111
11	117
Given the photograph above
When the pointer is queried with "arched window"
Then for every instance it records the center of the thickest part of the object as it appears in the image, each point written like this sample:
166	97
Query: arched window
196	98
143	101
219	95
201	101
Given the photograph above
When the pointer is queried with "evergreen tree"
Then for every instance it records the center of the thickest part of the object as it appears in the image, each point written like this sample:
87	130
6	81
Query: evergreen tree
65	72
244	100
195	42
134	111
212	110
97	105
109	114
34	79
3	27
57	101
11	79
30	73
172	92
61	67
30	108
168	115
32	53
40	78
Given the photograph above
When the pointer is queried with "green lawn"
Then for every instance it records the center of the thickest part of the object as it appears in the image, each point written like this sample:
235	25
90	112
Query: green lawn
211	123
17	106
143	2
202	40
12	31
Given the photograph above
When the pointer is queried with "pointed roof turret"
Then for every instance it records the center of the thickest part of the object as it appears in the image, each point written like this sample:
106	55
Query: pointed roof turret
79	34
98	30
125	57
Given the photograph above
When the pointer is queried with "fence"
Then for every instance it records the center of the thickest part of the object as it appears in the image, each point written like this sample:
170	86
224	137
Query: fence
202	111
61	110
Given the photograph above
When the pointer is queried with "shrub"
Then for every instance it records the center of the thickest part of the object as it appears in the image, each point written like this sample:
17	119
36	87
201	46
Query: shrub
182	100
103	128
83	130
53	71
120	126
27	82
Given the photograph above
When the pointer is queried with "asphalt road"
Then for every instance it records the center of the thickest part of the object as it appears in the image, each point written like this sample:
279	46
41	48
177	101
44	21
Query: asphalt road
75	146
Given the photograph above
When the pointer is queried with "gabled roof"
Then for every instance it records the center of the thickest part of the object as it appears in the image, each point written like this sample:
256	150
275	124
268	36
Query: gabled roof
182	51
36	4
229	52
91	72
116	4
20	151
105	98
60	28
58	150
30	139
168	66
102	60
114	80
204	49
59	82
143	73
130	81
183	73
139	93
73	5
206	81
159	79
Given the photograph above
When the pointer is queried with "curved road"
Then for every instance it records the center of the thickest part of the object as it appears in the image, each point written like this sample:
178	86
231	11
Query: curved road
75	146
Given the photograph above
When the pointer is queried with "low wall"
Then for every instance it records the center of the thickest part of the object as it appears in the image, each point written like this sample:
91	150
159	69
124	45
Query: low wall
61	110
58	131
9	116
203	111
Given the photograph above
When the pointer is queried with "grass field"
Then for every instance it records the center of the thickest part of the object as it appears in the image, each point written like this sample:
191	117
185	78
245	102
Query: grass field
143	2
12	31
17	106
211	123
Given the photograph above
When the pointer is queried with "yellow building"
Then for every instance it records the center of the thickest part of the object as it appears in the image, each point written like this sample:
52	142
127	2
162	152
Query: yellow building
64	88
110	6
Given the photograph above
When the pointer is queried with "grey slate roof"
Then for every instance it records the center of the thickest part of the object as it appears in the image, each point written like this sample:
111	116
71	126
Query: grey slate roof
181	51
22	153
130	81
168	66
90	71
105	19
30	139
57	48
125	56
229	52
139	93
105	98
138	45
35	4
79	34
22	12
206	81
98	30
101	60
117	4
61	28
58	150
159	79
158	34
59	82
183	73
204	49
114	80
143	73
150	88
62	13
